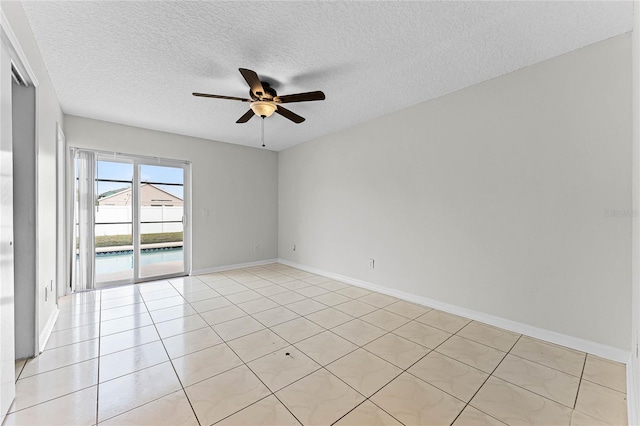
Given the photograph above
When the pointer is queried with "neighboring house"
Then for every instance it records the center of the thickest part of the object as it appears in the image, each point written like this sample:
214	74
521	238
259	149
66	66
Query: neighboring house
150	195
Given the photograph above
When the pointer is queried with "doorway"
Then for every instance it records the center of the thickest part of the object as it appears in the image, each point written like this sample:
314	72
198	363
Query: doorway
131	221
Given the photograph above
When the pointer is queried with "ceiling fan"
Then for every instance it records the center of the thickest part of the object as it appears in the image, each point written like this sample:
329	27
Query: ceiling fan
264	99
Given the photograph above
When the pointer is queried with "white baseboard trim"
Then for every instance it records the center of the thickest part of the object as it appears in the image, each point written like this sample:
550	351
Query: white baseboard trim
229	267
576	343
48	328
633	393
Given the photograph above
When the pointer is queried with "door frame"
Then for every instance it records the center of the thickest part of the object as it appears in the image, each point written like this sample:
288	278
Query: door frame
186	223
136	161
62	273
12	56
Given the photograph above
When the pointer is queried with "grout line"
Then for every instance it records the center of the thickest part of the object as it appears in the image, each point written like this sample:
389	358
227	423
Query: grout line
98	372
603	386
323	367
234	352
48	400
374	403
73	343
543	365
584	364
24	364
58	367
280	305
243	363
169	359
289	343
533	392
403	370
131	409
287	408
485	380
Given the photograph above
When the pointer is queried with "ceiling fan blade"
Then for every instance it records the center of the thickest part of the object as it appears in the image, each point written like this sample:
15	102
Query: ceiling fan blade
290	115
301	97
246	117
232	98
253	81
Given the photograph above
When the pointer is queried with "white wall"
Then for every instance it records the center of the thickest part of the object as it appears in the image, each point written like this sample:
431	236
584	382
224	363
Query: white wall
492	198
7	330
48	113
633	367
238	185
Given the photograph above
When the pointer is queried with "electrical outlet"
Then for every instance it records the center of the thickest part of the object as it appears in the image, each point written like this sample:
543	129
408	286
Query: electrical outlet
205	212
294	247
256	247
371	263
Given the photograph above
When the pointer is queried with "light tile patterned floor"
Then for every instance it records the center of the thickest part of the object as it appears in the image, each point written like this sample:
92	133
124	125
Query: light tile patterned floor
273	345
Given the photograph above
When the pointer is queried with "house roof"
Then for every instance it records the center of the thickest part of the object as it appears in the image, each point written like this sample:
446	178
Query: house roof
138	62
115	192
112	193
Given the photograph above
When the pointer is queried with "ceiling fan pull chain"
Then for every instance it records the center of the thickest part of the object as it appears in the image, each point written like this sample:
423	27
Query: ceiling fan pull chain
262	130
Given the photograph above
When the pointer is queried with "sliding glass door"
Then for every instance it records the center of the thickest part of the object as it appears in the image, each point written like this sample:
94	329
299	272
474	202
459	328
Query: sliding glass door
161	229
113	223
136	225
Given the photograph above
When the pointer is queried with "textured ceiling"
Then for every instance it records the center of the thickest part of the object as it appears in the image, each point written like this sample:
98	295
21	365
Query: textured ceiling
137	63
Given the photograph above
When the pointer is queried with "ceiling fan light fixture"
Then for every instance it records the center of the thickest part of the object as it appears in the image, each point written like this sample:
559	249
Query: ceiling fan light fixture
263	108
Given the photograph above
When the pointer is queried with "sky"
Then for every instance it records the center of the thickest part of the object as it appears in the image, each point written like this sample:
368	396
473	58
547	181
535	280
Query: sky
148	173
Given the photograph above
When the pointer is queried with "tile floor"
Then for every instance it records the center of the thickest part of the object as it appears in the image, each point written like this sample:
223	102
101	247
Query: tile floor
273	345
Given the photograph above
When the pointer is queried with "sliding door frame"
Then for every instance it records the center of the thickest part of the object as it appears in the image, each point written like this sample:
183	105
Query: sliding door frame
136	161
186	215
126	159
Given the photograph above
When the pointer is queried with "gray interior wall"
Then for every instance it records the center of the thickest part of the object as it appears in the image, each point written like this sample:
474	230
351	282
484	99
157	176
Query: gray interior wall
7	320
48	115
236	184
633	367
24	207
510	197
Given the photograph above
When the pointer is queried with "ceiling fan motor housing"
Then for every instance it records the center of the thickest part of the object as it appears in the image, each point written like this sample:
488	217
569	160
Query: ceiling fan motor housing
269	93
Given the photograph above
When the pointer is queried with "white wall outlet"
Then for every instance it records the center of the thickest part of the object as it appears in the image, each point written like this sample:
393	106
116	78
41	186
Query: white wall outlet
371	263
205	212
256	247
294	247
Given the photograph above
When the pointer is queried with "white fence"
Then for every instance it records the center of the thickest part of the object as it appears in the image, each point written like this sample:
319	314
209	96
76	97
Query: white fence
147	214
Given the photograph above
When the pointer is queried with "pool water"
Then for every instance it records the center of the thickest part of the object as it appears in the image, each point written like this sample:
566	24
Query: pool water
123	261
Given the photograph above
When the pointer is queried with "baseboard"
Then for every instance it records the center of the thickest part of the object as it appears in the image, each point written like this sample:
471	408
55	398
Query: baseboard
229	267
633	393
48	328
576	343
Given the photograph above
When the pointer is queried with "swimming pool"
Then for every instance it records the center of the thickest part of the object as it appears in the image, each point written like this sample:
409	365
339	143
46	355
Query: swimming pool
110	262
